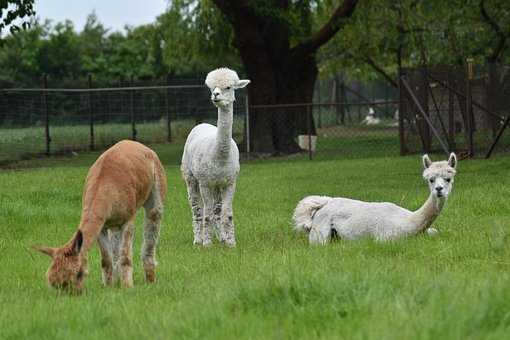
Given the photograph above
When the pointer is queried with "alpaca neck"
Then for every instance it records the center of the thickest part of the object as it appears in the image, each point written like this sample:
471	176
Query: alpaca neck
224	132
90	228
423	217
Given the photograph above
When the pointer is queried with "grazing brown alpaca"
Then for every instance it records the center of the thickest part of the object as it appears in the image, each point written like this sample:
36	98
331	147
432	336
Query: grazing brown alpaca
124	178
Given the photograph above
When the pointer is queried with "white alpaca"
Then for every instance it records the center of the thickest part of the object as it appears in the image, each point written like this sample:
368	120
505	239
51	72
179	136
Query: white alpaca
322	217
370	118
210	163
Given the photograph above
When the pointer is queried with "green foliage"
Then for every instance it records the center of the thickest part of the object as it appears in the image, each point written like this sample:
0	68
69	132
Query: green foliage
193	36
10	10
196	38
430	32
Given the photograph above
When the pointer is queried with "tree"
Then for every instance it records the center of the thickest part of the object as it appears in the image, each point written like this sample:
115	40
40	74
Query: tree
278	41
10	10
434	32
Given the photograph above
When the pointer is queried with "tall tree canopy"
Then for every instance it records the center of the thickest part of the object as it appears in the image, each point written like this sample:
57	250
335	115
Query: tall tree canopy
11	10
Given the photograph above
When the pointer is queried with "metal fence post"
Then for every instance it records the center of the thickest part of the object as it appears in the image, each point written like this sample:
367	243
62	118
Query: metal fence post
46	115
309	129
168	113
247	137
91	115
132	109
469	106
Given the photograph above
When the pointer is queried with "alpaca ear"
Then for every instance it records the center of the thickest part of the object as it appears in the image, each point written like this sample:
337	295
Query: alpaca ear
452	160
426	161
242	83
77	243
45	250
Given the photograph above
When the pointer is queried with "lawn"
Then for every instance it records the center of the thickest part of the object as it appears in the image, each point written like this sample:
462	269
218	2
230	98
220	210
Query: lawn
273	285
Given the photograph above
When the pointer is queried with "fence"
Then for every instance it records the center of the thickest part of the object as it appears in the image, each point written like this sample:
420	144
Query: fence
455	109
51	121
437	109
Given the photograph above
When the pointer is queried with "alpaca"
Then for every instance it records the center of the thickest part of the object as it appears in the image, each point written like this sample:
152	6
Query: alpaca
210	163
371	119
323	217
124	178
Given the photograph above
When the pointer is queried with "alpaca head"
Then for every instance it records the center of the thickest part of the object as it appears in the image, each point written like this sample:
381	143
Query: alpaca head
223	82
67	271
440	175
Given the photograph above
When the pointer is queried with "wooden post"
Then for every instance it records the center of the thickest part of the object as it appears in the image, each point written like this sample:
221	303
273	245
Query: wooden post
491	91
309	129
319	122
46	115
469	107
132	110
451	116
91	115
424	101
168	113
247	124
401	108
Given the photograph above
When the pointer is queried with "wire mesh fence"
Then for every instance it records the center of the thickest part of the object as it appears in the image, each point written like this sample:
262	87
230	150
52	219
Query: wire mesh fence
53	121
332	129
439	109
455	108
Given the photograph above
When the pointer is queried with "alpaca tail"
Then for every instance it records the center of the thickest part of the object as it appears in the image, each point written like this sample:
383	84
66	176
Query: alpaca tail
306	209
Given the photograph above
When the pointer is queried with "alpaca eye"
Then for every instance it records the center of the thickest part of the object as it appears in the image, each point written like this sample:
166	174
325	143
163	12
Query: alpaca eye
228	87
431	180
448	180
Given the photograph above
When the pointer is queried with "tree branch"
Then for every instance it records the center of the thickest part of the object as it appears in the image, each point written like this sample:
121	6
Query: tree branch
367	59
334	24
497	51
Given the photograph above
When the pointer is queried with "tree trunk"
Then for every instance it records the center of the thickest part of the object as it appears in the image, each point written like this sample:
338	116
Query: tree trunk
274	129
279	73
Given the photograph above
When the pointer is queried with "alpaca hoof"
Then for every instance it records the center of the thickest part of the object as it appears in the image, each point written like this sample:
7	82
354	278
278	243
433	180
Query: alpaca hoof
229	243
197	242
127	285
206	244
150	276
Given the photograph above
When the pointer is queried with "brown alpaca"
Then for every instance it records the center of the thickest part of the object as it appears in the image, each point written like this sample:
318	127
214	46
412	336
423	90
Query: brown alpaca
124	178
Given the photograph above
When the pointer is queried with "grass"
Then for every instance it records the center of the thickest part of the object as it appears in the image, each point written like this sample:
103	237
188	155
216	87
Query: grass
272	285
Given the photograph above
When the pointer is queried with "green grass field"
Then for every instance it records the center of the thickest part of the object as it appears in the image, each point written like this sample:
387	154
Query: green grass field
272	285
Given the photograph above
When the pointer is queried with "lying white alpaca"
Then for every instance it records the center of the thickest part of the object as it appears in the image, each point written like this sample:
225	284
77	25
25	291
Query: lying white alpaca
349	219
210	163
371	119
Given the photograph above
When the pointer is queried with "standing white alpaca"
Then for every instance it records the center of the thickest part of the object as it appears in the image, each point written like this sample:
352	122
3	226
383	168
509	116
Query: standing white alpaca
322	216
210	163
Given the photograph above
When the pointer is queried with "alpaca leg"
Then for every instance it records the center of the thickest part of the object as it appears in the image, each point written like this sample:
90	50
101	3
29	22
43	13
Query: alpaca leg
115	244
217	215
319	234
208	199
106	257
227	216
195	201
153	214
126	254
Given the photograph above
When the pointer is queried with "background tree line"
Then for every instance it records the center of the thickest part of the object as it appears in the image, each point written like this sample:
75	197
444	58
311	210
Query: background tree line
193	36
281	45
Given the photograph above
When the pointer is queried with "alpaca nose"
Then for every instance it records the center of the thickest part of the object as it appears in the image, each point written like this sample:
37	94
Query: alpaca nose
439	190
